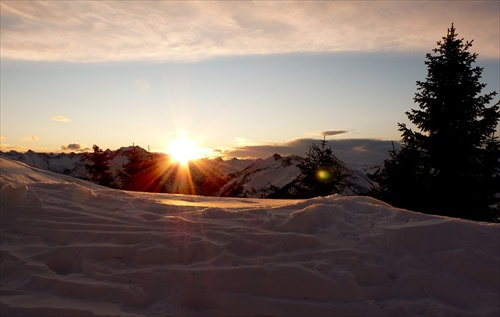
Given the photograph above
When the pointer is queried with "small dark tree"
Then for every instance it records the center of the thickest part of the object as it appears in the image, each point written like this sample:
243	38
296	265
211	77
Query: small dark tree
129	173
98	168
451	165
405	179
142	171
320	172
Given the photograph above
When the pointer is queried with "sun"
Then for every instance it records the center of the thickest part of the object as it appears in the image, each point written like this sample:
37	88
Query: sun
183	150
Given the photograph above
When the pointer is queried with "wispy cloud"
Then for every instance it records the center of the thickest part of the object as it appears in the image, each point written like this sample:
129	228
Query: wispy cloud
60	119
30	138
240	141
5	147
97	31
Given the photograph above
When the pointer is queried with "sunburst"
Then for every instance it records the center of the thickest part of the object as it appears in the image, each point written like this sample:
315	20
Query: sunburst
183	150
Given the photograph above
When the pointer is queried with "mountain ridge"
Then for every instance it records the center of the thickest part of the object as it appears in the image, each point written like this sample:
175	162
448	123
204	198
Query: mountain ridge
252	178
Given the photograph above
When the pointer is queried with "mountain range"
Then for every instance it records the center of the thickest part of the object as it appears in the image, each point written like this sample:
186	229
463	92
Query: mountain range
254	178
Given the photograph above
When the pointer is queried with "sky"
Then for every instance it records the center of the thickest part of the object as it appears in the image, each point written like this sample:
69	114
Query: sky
239	78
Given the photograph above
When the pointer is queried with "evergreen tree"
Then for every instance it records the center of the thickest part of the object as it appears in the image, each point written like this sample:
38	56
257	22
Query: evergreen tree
130	172
320	172
451	165
98	168
143	171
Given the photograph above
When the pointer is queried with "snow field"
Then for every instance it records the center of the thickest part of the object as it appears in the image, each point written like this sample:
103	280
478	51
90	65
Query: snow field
70	248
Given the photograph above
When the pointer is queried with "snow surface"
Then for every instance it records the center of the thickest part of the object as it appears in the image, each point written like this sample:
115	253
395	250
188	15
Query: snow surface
69	248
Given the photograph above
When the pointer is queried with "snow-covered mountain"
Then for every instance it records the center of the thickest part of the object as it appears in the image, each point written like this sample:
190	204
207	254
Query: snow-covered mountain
258	178
72	164
68	164
263	178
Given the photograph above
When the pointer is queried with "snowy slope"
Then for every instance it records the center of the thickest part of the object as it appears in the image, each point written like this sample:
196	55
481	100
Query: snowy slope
69	247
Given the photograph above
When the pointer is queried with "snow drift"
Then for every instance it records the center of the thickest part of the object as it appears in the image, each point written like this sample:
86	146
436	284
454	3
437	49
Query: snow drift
69	248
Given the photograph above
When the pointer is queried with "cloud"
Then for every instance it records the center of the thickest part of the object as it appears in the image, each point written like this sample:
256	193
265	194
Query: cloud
74	147
332	132
60	119
354	151
100	31
243	141
360	148
5	147
30	138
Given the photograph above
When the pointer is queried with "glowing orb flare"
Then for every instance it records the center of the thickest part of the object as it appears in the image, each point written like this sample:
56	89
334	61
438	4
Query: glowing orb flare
324	175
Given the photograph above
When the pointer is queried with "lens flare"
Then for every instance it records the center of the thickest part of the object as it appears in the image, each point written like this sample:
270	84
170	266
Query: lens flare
324	175
183	150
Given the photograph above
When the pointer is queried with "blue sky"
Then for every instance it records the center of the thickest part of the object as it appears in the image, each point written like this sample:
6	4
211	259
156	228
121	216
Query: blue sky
230	75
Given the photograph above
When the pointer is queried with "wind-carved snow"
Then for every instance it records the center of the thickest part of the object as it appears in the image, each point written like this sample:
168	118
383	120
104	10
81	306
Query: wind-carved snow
74	248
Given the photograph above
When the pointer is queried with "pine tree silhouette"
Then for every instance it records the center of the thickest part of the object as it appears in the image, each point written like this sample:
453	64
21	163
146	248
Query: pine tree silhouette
320	172
451	165
98	168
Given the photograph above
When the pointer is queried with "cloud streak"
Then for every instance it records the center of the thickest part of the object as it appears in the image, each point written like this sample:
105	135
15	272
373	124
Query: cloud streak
332	132
60	119
100	31
30	138
355	151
